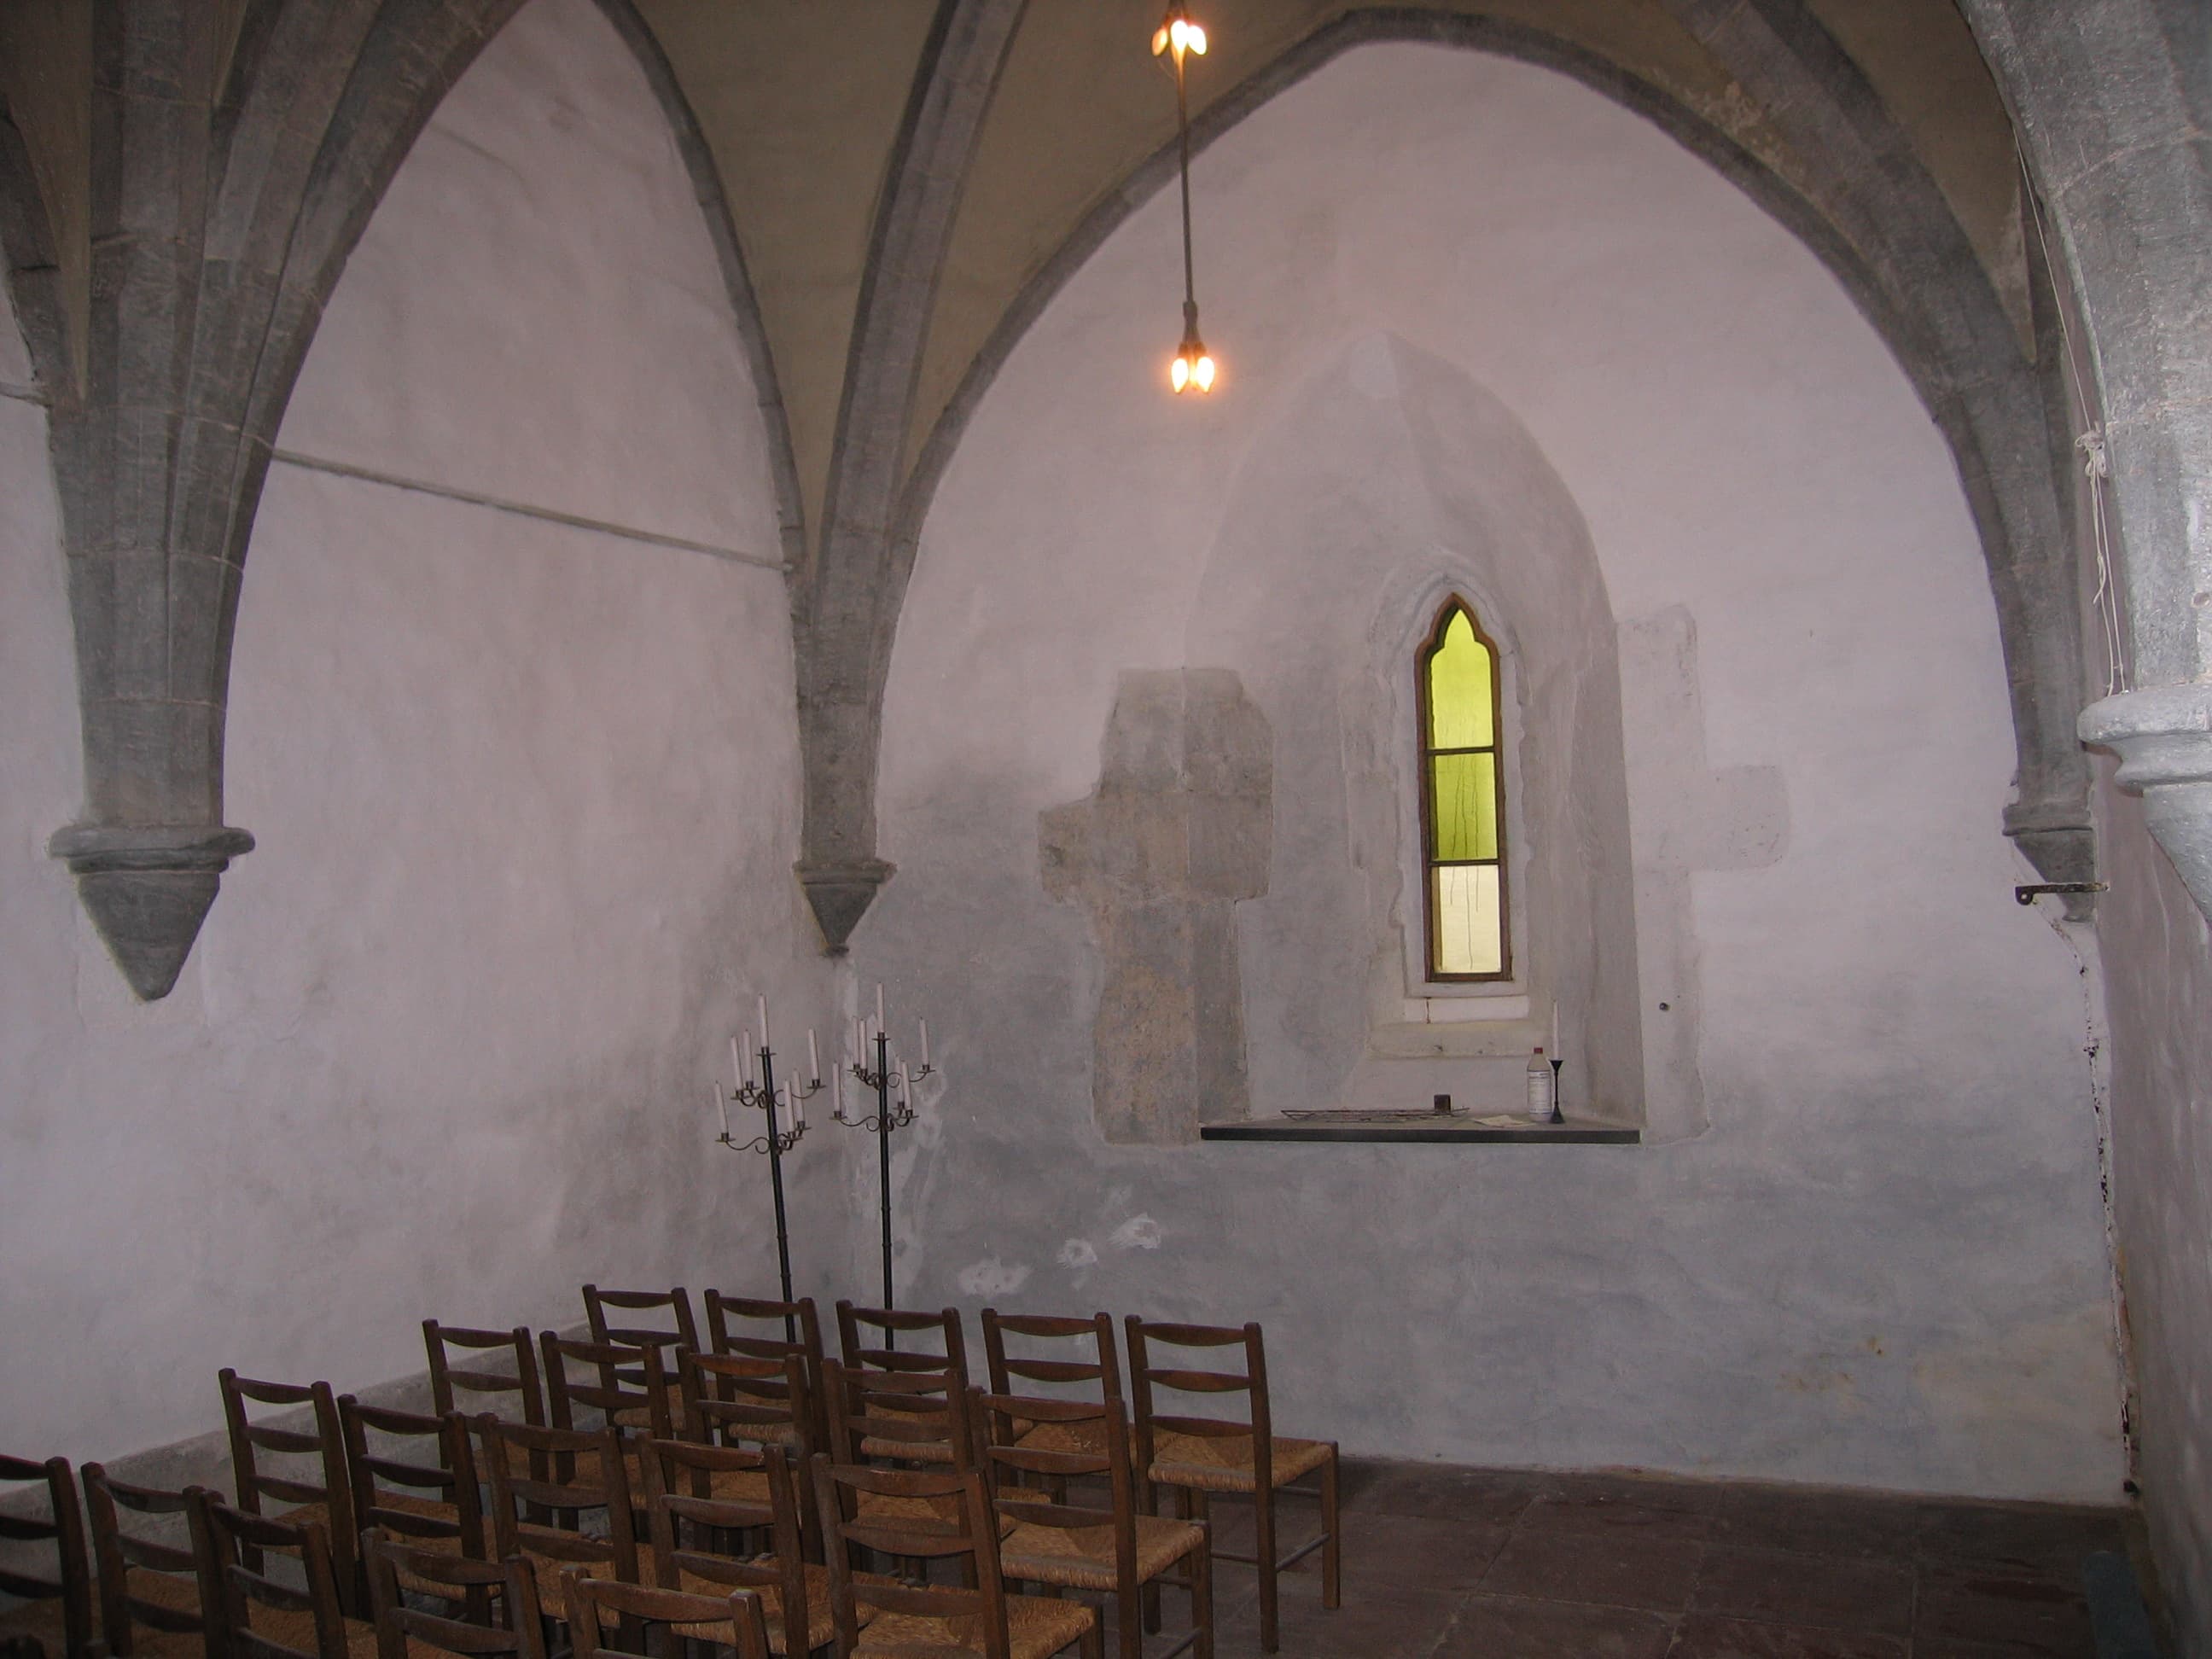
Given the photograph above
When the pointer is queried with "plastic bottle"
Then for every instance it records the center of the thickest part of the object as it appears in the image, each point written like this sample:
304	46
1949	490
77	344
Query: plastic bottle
1540	1088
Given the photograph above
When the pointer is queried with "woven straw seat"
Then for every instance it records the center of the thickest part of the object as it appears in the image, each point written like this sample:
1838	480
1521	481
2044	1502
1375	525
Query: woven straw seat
162	1590
1037	1627
297	1630
40	1621
547	1572
1085	1437
1082	1557
641	1417
906	1451
821	1618
1223	1463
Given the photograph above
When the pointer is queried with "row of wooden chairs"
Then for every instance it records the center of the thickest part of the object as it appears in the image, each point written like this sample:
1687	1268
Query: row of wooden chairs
761	1381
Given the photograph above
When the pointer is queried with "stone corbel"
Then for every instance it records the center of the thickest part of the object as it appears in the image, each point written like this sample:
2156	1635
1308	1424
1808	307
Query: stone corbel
148	889
840	893
2163	736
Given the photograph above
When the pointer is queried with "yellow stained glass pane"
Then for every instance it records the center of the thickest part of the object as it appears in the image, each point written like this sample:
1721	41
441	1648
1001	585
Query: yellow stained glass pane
1470	925
1460	702
1463	790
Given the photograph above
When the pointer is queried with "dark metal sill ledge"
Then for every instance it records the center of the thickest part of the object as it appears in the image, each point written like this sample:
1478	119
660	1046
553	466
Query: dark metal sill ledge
1575	1131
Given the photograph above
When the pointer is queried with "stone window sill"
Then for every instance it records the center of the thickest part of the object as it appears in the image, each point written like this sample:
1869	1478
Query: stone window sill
1575	1131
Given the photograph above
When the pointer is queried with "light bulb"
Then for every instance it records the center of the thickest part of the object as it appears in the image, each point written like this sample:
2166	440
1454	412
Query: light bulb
1203	374
1179	372
1194	38
1160	40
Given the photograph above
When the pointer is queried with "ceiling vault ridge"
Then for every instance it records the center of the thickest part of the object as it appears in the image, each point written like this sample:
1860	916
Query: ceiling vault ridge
1873	216
846	607
707	190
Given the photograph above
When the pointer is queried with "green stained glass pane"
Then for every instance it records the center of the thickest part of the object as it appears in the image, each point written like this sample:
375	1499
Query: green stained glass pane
1464	790
1460	701
1470	924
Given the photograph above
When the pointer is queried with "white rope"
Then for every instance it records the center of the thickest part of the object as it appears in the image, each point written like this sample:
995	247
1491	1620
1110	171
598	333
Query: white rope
2096	465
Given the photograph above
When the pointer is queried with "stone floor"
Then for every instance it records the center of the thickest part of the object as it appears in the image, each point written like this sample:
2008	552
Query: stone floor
1453	1562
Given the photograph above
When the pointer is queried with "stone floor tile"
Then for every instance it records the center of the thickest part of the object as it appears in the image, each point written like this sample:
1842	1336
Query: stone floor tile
1709	1636
1396	1552
1815	1521
1658	1512
1653	1491
2004	1610
1619	1567
1831	1592
1393	1625
1512	1627
1493	1496
2025	1539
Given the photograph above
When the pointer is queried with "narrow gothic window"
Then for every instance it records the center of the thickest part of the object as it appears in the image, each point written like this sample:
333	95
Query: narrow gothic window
1463	800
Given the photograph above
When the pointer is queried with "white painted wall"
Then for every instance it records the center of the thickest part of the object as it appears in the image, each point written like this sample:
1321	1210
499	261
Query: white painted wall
1878	1261
525	799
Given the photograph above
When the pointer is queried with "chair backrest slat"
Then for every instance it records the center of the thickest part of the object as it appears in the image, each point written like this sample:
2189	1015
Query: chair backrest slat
547	1483
460	1584
64	1524
1007	1366
1147	1379
598	1607
448	1482
856	1325
624	1383
237	1540
116	1555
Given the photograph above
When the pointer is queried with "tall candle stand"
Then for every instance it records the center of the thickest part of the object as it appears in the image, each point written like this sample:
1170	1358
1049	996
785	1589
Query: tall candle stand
888	1116
766	1096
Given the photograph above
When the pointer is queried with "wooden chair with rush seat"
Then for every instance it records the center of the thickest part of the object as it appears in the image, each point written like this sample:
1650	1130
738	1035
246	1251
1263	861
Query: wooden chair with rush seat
310	1487
256	1616
1116	1551
600	1607
1196	1456
153	1594
1098	1374
561	1498
468	1588
56	1611
673	1334
931	1515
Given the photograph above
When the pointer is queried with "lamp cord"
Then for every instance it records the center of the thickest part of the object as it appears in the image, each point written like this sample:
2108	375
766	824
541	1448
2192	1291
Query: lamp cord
1182	126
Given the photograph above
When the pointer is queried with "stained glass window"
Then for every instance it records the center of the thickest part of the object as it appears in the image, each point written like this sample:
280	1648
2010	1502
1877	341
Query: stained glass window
1463	800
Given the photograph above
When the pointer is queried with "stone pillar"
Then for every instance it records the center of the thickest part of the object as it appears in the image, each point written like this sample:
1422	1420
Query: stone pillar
1178	829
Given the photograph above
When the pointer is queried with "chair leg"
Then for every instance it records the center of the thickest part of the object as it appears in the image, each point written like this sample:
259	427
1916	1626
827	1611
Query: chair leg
1128	1621
1201	1598
1332	1552
1093	1645
1263	1519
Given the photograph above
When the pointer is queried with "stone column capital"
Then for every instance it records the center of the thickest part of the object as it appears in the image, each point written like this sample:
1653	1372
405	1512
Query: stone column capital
2163	736
147	887
840	890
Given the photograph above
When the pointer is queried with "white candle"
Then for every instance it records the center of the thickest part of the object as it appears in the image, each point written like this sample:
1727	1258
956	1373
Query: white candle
813	1057
1555	1027
840	1097
906	1085
924	1043
736	1063
745	1060
798	1109
761	1004
722	1104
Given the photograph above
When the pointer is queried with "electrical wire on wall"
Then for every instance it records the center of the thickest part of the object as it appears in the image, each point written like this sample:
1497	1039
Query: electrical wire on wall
2096	465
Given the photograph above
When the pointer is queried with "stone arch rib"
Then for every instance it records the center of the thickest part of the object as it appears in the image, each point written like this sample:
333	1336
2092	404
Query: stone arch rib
1954	345
848	605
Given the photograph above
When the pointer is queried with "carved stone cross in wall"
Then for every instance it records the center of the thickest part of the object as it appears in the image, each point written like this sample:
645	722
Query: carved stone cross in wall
1178	829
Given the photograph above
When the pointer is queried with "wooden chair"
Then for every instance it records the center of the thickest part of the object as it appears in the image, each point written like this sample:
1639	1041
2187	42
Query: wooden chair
1114	1551
932	1515
1198	1456
258	1617
546	1484
727	1398
753	1329
432	1507
857	1327
698	1497
622	1382
677	1333
481	1383
153	1594
1099	1376
596	1607
465	1585
315	1494
56	1612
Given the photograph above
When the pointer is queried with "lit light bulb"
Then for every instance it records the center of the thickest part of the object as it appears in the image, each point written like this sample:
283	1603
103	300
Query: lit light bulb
1179	35
1192	370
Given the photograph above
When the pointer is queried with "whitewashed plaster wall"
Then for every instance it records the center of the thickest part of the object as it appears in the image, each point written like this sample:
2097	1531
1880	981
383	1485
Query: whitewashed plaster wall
525	799
1864	1246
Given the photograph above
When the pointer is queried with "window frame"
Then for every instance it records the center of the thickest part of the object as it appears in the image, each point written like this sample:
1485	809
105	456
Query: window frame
1457	605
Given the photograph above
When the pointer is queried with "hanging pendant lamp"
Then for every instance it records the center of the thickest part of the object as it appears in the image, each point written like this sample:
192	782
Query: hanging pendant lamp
1178	37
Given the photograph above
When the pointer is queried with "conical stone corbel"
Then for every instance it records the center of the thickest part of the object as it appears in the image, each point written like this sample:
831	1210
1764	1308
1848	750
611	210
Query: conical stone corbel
840	894
146	889
2163	736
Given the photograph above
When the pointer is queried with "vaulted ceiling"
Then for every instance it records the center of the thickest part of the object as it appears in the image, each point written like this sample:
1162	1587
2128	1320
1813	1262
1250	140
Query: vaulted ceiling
801	102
